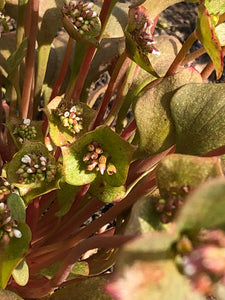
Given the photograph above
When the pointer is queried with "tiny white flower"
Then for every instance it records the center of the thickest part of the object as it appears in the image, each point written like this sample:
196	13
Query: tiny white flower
6	183
73	109
26	159
36	166
66	114
17	233
29	170
155	52
42	158
94	14
26	122
2	206
89	5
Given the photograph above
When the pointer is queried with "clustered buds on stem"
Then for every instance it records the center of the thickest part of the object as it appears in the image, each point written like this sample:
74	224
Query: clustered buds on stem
8	227
70	117
204	262
141	31
96	159
36	167
25	131
168	207
81	15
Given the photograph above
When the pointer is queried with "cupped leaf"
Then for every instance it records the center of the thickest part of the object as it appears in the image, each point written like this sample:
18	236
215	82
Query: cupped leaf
198	113
16	128
220	32
91	288
60	134
13	252
206	34
35	187
105	192
204	207
143	217
158	280
118	152
21	273
17	207
152	112
177	170
8	295
65	196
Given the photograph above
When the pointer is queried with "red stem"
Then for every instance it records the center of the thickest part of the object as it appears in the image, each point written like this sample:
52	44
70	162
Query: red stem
30	59
129	130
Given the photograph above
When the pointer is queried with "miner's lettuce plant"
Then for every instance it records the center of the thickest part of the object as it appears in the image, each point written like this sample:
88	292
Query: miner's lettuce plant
114	189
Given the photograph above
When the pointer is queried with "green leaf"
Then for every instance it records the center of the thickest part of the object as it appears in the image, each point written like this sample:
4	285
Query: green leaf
17	56
21	273
215	6
143	217
65	196
59	133
37	188
152	112
8	295
105	192
158	280
198	111
177	170
91	288
206	34
204	207
12	253
119	151
2	4
17	207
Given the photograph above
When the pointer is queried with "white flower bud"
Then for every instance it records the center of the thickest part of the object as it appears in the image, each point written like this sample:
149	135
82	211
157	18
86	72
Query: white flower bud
17	233
26	159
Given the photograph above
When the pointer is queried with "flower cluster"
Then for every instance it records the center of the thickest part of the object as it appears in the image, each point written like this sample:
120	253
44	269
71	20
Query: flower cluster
141	32
204	262
8	227
168	207
36	167
25	131
70	117
81	15
5	187
97	160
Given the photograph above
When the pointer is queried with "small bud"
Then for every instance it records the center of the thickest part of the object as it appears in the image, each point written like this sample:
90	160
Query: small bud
26	159
17	233
111	169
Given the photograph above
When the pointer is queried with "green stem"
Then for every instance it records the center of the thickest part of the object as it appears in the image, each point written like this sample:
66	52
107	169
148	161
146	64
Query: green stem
43	55
30	60
181	55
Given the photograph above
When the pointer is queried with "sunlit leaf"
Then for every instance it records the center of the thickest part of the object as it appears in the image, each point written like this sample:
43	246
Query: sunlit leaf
206	34
178	170
119	154
17	56
21	273
198	112
215	6
152	112
12	253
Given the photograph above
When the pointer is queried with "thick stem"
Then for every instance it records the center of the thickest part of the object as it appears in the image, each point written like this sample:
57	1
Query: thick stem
181	55
192	56
30	59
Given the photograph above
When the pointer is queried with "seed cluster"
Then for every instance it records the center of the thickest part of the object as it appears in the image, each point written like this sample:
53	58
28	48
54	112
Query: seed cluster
168	207
81	15
142	33
25	131
8	227
96	159
36	167
5	187
70	117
